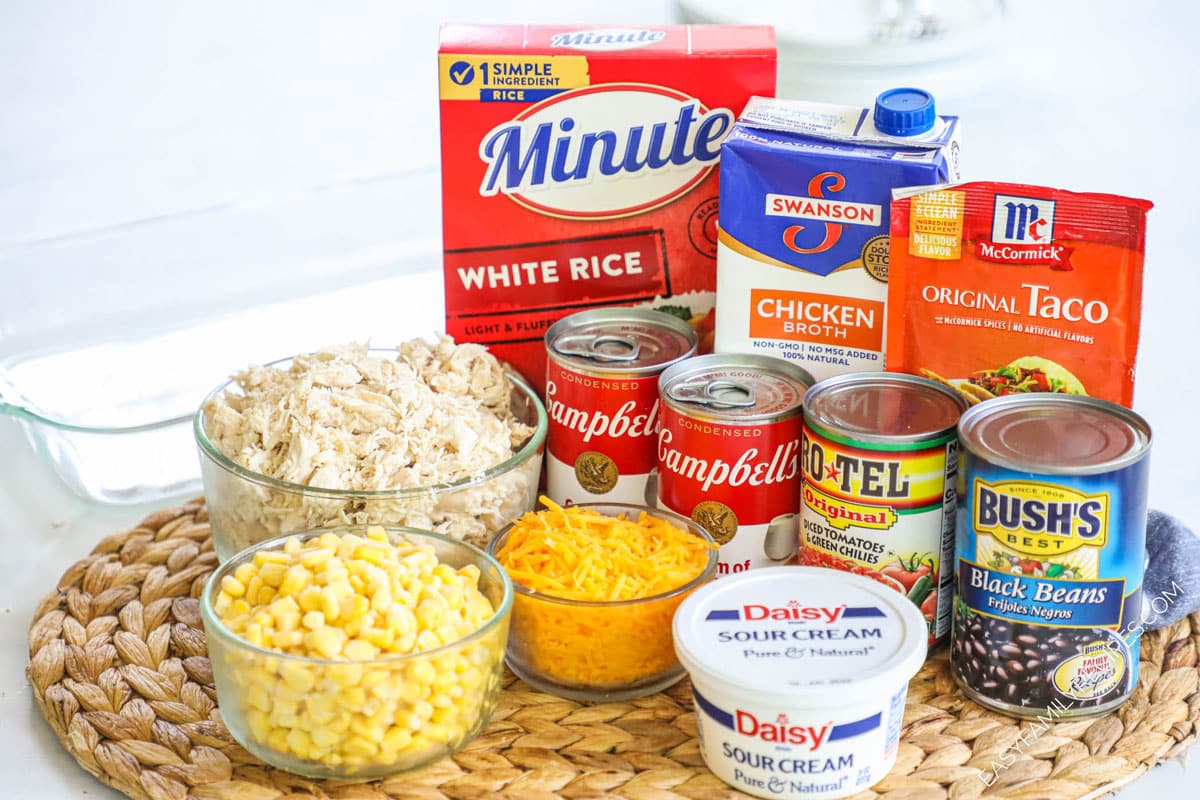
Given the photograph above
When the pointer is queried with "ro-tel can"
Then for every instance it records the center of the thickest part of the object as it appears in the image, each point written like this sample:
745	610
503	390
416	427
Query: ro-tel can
729	453
1050	549
602	400
880	467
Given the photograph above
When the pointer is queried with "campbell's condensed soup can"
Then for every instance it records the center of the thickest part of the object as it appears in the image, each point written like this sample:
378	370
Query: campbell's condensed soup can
729	453
880	467
602	400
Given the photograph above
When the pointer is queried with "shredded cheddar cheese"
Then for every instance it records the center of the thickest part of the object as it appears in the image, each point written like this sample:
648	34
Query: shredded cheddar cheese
576	554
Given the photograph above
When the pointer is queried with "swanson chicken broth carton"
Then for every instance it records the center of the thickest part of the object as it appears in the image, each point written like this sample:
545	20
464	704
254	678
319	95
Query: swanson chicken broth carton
579	169
802	258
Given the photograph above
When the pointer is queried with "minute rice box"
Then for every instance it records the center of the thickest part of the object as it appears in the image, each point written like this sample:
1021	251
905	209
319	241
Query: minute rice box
579	169
802	260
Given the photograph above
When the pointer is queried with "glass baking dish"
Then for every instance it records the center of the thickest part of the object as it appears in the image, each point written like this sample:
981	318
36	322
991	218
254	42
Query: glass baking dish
110	339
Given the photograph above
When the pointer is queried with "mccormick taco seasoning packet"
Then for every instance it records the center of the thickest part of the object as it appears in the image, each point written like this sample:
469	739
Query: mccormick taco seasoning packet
579	169
1000	288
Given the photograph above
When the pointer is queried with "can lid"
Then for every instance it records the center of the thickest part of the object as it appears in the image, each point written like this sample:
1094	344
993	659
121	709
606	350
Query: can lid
883	407
795	632
904	112
734	387
1057	434
632	341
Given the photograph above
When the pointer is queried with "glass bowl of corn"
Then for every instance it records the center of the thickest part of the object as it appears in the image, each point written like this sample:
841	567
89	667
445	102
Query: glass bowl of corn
595	588
357	652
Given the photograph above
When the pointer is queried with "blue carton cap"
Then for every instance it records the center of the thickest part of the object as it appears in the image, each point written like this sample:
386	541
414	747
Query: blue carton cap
904	112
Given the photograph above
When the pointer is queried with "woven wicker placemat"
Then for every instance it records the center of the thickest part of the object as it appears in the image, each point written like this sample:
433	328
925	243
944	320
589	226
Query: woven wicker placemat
120	671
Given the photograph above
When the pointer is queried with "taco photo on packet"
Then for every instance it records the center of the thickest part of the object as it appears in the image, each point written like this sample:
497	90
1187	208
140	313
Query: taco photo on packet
1024	375
998	288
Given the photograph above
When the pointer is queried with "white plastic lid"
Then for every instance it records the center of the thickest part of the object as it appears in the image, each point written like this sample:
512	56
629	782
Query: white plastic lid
795	632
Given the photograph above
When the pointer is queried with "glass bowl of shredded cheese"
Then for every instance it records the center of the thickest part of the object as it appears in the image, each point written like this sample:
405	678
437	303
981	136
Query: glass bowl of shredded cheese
430	435
595	588
357	652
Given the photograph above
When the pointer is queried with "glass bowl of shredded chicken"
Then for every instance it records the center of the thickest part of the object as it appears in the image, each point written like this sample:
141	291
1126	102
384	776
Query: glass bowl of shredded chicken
431	435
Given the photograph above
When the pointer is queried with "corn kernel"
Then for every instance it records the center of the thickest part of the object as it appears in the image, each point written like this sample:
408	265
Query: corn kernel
329	604
258	698
259	724
380	637
253	586
288	621
358	650
411	692
253	634
422	672
396	739
326	641
272	573
284	640
343	675
277	739
299	742
358	746
295	580
232	586
323	737
298	677
310	599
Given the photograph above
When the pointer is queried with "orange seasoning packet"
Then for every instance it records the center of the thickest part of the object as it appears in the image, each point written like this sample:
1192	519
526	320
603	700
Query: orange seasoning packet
1001	288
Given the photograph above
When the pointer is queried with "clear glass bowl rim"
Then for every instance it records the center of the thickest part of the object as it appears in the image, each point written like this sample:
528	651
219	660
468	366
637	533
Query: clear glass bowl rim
213	623
687	524
528	450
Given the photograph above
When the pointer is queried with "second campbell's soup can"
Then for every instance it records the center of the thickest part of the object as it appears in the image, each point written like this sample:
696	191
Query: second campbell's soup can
729	453
880	465
602	400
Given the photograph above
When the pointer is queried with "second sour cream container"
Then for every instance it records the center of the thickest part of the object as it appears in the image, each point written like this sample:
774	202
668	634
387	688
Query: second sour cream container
799	676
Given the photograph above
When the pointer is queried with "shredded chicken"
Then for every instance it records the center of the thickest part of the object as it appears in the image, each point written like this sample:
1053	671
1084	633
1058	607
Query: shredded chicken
353	420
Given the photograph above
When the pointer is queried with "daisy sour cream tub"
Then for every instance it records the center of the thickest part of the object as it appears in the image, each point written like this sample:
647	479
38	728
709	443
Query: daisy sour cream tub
799	676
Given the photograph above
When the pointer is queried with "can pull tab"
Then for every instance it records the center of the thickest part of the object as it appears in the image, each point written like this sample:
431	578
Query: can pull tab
607	347
714	393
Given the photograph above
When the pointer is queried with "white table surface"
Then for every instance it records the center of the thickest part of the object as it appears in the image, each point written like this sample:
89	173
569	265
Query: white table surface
167	161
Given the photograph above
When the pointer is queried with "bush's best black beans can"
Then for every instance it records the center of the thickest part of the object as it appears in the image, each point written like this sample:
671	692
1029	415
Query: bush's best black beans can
602	400
1050	554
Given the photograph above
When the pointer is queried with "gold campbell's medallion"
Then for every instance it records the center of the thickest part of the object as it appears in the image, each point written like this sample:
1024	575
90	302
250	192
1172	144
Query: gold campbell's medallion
596	472
716	518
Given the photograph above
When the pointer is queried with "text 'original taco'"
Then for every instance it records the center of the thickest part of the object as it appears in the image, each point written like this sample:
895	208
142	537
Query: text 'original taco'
980	272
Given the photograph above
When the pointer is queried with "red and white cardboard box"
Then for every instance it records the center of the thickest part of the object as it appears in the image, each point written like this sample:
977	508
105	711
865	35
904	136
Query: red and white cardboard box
579	169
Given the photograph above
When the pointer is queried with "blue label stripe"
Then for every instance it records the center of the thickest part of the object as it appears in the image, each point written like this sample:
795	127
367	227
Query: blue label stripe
720	717
868	611
731	613
851	729
504	95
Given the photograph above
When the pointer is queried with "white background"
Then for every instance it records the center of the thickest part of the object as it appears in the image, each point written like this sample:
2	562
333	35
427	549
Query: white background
162	163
